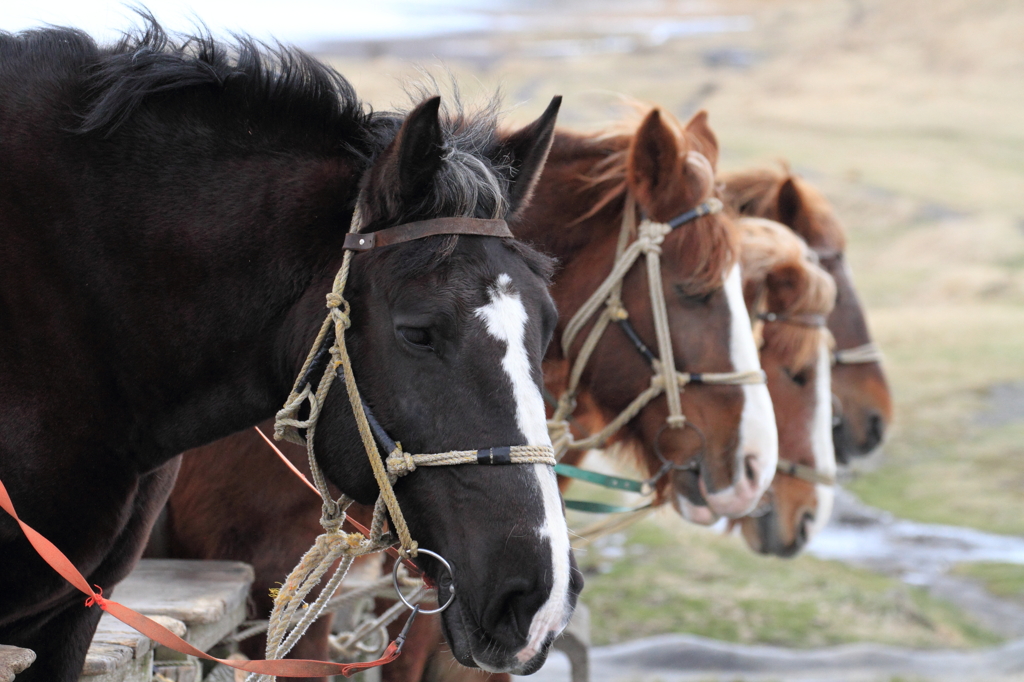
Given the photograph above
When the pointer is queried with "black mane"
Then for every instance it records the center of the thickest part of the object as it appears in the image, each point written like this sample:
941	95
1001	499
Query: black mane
259	90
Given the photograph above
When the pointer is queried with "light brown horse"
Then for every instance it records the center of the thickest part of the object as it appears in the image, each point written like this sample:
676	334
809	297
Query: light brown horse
863	406
791	297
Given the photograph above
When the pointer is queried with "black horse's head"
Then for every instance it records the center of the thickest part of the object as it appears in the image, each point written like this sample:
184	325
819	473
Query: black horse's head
447	337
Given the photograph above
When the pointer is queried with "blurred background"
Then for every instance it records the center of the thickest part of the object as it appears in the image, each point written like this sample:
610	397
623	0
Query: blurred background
909	115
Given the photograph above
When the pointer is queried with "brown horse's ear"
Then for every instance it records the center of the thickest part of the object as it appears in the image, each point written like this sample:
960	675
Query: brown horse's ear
653	168
784	287
527	149
415	155
705	141
790	204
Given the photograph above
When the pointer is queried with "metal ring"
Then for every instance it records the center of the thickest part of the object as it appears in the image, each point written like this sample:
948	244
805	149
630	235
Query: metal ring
451	589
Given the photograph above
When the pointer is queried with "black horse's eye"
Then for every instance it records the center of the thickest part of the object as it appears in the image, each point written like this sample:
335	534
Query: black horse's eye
799	378
417	336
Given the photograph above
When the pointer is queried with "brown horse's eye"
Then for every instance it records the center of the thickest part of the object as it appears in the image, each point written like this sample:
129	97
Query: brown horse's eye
692	299
800	378
417	336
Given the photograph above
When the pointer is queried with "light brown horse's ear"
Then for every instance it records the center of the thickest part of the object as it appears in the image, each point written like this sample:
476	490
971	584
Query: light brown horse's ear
653	167
784	287
527	149
705	141
790	205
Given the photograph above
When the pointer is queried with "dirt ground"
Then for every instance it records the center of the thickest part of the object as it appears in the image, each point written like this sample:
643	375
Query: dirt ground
910	115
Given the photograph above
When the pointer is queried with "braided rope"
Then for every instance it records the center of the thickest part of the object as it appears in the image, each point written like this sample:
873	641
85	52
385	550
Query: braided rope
609	525
648	239
400	463
859	355
804	473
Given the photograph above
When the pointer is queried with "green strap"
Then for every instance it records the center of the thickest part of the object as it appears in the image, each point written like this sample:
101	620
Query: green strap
601	507
614	482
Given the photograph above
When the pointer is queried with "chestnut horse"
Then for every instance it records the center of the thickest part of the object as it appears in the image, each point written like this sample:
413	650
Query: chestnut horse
863	406
173	215
576	214
595	187
791	297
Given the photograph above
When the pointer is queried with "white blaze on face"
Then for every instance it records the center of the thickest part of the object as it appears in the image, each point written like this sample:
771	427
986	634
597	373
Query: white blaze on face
759	437
821	438
505	319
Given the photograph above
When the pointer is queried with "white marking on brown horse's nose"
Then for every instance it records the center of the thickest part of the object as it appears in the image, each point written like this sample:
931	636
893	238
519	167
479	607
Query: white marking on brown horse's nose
821	438
505	319
758	449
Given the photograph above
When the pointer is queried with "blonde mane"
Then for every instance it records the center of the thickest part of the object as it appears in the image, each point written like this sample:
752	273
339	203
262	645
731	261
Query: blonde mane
766	248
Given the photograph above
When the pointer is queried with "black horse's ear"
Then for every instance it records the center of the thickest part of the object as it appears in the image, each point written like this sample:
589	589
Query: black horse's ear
419	149
527	149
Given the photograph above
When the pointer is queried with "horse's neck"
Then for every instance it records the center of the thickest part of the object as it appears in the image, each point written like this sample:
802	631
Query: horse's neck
175	291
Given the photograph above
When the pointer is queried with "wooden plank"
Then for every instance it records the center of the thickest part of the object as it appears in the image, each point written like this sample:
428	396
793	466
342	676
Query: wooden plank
120	654
200	601
208	596
14	660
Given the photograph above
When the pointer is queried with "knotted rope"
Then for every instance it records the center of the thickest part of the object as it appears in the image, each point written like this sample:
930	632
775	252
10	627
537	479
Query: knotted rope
647	239
859	355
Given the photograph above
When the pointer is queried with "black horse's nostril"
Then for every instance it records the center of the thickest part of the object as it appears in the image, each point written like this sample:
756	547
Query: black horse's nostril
508	617
875	431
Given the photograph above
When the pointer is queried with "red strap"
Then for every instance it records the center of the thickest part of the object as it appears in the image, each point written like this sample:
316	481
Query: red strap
161	635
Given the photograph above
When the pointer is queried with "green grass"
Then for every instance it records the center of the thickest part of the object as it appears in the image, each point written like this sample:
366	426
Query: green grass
664	576
1002	580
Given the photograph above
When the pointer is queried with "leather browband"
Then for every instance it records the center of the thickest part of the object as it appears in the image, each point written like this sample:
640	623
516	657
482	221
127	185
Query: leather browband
359	241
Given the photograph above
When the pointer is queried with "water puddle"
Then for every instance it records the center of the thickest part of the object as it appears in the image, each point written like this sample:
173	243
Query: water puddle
916	552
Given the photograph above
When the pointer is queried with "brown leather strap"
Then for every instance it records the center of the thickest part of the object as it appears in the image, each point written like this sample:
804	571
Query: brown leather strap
357	241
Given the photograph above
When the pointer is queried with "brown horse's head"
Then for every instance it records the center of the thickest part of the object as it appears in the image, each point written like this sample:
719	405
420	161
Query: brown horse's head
722	458
793	296
863	406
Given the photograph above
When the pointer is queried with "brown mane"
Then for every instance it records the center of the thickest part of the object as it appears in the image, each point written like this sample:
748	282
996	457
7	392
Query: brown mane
756	192
710	243
768	248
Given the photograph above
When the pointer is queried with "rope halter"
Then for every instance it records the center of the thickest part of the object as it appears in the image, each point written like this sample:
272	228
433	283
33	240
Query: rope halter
398	463
606	303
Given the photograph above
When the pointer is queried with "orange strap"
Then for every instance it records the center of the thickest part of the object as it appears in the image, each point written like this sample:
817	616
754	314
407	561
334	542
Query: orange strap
161	635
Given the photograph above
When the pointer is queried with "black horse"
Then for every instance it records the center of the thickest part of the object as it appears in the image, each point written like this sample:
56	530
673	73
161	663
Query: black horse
172	214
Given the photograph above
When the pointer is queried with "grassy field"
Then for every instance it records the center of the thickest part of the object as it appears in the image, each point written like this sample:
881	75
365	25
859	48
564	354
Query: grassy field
666	576
910	116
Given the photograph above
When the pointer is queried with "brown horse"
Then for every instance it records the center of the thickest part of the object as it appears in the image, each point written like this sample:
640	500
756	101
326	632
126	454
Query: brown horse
791	297
593	187
863	406
670	169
